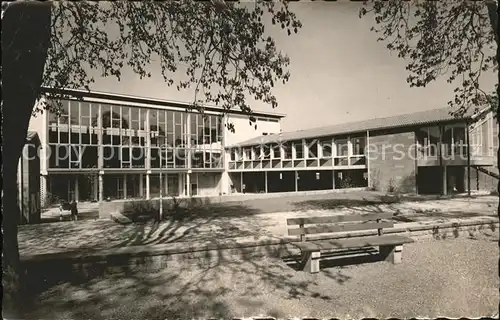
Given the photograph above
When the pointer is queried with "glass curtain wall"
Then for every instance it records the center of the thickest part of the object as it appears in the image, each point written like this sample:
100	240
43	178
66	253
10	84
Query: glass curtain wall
131	138
428	140
206	141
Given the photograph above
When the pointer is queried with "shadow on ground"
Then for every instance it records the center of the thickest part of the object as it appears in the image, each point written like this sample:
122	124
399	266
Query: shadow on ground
187	288
328	204
187	220
126	290
190	288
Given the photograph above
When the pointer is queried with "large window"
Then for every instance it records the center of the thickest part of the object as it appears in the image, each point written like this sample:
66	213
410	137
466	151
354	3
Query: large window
257	153
135	119
113	186
125	134
312	148
180	130
326	147
358	145
157	125
454	139
89	132
89	157
266	152
155	157
475	137
287	150
275	151
59	156
428	139
299	150
247	154
74	113
342	147
111	157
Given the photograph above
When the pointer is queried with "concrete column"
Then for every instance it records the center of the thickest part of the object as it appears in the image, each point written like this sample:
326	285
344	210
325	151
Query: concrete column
189	153
124	186
77	189
445	181
224	183
367	159
96	187
241	181
333	180
444	185
334	150
43	190
265	179
101	187
100	153
44	140
349	150
188	184
141	185
305	148
182	188
147	186
296	181
148	142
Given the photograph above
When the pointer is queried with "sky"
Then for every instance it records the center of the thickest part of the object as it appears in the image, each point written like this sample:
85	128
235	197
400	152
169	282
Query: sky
339	73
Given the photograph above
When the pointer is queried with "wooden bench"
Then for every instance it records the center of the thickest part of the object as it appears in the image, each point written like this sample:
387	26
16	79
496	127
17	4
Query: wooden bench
390	246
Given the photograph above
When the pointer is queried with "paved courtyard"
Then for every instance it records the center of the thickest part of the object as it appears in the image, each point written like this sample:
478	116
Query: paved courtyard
237	220
449	278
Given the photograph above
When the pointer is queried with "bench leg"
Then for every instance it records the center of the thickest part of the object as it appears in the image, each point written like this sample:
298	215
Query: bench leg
392	253
311	261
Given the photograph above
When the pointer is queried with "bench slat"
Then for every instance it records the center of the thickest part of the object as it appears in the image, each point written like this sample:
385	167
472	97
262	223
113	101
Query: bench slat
371	241
339	228
337	219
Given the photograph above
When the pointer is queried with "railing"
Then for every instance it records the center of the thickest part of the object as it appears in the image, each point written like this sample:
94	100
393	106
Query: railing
354	161
450	150
488	172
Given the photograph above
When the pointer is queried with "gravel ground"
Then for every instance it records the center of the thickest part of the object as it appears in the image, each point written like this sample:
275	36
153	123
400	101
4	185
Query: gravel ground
452	278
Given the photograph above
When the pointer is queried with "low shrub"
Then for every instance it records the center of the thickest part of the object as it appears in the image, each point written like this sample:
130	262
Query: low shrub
141	210
173	209
391	188
346	183
50	200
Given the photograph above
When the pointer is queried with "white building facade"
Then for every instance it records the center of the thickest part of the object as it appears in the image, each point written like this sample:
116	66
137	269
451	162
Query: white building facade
105	147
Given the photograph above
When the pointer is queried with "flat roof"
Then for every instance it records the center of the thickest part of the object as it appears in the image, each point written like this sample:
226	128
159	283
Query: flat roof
79	93
398	121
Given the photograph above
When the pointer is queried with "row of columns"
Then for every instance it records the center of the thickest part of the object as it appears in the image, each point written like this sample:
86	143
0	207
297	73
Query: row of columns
97	191
296	173
183	191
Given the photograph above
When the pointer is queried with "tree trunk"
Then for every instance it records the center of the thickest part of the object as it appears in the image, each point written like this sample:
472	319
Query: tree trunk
25	38
494	13
497	28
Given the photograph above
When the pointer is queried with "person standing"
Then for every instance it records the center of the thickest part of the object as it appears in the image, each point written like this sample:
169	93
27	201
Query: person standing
74	210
